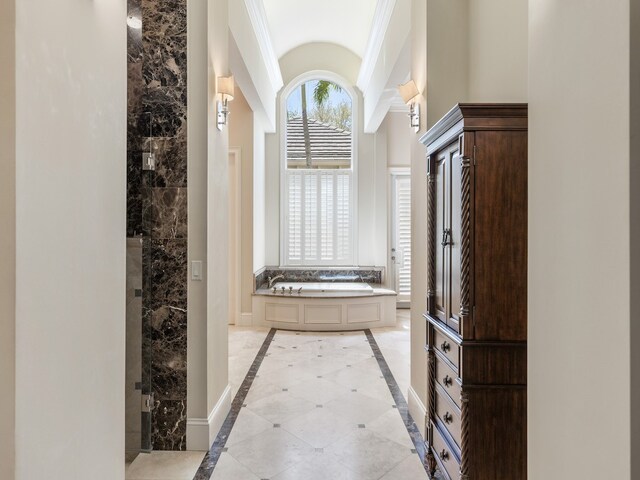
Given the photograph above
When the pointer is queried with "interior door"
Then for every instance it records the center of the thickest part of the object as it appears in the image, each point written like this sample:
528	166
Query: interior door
401	237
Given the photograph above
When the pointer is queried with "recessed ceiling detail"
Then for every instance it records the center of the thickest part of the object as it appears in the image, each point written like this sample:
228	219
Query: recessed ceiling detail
296	22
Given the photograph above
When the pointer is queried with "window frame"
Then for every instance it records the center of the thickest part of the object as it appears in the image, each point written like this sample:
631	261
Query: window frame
282	123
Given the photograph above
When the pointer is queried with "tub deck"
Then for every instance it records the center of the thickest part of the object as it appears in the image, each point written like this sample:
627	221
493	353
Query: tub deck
324	306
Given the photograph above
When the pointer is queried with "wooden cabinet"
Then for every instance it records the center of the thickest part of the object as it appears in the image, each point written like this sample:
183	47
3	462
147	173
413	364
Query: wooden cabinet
477	292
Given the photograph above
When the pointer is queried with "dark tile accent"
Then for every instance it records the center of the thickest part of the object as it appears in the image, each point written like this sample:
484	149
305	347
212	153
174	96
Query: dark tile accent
134	215
361	425
276	425
399	399
135	93
171	161
211	458
167	107
134	35
374	276
165	286
165	213
164	42
169	428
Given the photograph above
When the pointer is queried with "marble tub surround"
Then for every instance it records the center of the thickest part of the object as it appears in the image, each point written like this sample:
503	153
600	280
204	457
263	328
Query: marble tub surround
157	208
319	407
373	275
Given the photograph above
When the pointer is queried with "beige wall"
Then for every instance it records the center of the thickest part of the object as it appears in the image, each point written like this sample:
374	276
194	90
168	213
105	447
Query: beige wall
70	262
498	64
446	53
7	238
418	397
259	196
634	188
400	138
217	215
197	173
241	136
477	52
579	249
320	56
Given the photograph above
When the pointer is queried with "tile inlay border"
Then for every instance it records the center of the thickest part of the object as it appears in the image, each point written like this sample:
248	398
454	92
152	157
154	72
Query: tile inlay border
400	402
213	455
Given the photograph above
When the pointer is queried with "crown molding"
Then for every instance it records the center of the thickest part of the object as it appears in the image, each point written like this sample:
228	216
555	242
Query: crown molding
258	18
381	19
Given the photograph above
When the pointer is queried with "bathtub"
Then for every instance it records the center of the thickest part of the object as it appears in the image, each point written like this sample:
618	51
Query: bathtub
324	306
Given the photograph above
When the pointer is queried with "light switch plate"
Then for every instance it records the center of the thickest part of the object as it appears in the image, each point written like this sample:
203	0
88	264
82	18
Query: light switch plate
196	270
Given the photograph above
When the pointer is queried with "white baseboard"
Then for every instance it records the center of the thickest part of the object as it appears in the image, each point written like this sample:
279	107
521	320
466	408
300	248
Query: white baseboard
201	432
417	409
245	320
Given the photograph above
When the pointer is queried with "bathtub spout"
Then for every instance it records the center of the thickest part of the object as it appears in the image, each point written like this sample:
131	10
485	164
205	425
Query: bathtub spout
272	280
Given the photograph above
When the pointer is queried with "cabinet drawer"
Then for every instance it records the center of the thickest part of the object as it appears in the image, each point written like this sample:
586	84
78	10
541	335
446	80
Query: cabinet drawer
446	458
449	417
447	379
447	347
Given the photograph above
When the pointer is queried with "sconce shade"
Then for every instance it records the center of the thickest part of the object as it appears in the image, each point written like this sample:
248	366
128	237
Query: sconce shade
226	87
408	91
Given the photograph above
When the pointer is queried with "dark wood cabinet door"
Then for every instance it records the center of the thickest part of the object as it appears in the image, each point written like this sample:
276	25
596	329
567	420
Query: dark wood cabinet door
454	214
441	260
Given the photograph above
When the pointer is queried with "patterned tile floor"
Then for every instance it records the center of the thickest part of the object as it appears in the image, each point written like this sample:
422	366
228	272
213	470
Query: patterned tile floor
319	408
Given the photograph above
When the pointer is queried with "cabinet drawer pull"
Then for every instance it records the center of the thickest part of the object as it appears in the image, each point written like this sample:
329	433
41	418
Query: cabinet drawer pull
448	418
447	381
445	347
444	455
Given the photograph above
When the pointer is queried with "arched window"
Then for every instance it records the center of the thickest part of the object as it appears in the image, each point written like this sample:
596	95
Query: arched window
318	174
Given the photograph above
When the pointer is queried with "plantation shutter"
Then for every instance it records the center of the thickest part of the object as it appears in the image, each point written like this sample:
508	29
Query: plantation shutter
318	228
403	199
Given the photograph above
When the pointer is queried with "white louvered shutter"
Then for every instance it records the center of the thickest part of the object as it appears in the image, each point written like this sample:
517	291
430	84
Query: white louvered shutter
403	235
318	227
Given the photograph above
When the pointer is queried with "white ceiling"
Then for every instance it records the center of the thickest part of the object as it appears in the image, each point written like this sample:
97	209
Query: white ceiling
295	22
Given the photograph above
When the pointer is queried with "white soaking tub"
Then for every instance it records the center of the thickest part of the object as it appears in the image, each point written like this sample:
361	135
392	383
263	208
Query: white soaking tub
324	306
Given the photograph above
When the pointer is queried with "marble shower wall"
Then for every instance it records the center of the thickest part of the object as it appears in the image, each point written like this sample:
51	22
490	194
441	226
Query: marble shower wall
157	206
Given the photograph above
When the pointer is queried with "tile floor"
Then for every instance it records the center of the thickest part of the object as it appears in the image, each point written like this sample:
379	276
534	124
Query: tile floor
318	408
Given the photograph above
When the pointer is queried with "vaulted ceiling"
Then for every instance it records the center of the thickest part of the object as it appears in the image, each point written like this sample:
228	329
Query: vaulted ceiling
376	31
296	22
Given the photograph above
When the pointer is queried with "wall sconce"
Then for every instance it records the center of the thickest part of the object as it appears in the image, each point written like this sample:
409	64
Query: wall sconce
226	91
409	91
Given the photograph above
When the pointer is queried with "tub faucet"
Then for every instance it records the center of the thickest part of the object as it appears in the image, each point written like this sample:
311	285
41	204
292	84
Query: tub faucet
271	280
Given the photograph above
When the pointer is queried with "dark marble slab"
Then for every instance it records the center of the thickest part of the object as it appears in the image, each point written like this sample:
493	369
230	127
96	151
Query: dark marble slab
134	194
134	35
164	40
401	403
165	282
164	112
171	161
168	341
165	213
135	94
169	425
134	215
319	275
213	455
